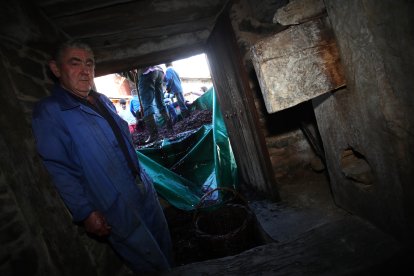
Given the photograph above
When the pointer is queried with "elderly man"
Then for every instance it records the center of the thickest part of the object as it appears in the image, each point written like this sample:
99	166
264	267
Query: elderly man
87	149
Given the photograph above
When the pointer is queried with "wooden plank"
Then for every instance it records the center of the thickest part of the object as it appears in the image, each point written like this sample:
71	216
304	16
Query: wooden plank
238	109
299	11
135	15
60	8
297	65
106	65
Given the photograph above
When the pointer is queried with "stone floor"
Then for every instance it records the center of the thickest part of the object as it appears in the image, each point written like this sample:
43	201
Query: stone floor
306	234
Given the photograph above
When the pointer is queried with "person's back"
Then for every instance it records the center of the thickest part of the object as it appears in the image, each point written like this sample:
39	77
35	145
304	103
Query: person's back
173	86
172	81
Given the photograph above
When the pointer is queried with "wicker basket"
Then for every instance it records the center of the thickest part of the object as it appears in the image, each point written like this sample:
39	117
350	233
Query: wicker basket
224	230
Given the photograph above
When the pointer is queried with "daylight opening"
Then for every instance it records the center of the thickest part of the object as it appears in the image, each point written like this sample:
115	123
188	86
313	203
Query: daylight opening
185	141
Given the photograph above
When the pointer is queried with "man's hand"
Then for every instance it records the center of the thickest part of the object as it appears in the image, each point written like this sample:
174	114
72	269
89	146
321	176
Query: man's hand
96	224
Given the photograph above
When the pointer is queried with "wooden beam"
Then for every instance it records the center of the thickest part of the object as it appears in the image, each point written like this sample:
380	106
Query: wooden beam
239	112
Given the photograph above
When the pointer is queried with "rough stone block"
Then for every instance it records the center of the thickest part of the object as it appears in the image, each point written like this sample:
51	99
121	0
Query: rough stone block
297	65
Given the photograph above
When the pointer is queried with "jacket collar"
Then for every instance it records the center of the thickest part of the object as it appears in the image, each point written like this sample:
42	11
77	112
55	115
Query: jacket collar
65	99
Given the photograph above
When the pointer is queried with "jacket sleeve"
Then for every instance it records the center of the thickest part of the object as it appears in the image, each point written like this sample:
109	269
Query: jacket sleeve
168	79
56	149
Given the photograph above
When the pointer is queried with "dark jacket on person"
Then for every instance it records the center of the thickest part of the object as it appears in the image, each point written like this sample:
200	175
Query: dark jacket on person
82	154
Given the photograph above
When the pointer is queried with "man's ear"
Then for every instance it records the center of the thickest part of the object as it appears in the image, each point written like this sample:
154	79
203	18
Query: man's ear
54	68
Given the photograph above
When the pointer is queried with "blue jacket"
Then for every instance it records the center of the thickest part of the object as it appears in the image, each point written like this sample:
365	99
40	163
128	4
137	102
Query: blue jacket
82	155
134	106
172	81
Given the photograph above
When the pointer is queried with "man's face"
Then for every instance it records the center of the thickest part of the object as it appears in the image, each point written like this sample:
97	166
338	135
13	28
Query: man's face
75	70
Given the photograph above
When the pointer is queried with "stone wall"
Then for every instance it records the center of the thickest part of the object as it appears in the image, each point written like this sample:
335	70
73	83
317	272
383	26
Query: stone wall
37	234
367	128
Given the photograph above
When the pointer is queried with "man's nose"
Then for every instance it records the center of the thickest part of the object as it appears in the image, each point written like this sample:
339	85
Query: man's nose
87	69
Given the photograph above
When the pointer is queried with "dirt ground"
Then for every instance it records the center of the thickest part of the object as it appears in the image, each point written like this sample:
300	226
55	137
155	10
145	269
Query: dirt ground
196	119
305	234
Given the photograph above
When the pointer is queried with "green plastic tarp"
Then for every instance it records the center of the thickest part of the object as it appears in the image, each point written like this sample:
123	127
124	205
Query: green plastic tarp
186	168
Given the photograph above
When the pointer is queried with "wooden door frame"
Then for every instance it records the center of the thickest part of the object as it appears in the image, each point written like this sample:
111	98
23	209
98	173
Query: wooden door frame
233	92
